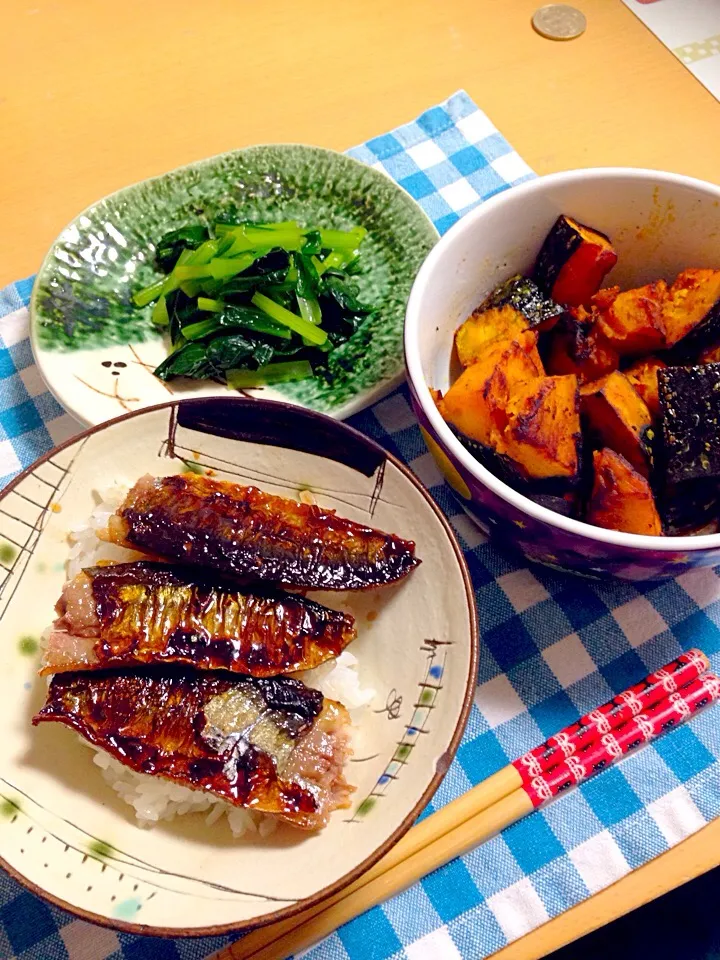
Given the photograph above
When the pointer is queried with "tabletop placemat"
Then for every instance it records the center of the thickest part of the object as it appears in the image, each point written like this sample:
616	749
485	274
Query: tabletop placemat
690	29
552	647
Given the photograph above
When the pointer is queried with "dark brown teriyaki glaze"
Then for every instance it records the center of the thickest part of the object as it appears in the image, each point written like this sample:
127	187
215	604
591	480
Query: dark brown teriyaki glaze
153	613
155	723
244	532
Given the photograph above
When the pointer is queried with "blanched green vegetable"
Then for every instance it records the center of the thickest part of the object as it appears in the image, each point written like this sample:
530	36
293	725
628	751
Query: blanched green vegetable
173	243
160	316
289	319
271	373
239	296
232	316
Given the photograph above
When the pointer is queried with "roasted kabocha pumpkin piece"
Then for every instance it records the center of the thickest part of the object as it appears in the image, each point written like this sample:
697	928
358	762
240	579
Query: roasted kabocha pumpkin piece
487	326
577	347
618	418
621	498
691	313
690	422
604	299
542	434
643	375
475	404
573	262
633	323
556	493
527	298
710	354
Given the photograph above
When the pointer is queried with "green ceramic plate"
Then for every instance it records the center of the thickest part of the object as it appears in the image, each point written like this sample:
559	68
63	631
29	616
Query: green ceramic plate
97	352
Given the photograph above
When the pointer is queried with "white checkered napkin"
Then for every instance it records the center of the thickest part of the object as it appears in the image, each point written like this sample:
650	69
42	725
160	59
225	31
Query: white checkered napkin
450	159
553	647
31	420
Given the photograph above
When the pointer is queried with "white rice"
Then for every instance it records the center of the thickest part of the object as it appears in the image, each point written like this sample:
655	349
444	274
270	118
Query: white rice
153	798
86	550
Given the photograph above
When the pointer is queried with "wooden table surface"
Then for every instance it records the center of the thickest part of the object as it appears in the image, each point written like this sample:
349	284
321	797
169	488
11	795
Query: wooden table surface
96	95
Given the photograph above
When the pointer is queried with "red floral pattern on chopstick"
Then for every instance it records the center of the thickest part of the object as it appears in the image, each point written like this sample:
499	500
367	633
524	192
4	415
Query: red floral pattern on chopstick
606	748
612	714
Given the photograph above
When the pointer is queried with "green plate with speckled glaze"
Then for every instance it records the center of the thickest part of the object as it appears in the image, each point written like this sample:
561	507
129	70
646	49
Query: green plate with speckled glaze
96	351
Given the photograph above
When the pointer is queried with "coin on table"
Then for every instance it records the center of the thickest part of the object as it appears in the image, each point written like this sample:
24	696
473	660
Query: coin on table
558	21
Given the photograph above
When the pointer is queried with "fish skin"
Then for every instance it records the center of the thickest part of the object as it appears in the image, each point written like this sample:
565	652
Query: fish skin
149	613
246	533
156	722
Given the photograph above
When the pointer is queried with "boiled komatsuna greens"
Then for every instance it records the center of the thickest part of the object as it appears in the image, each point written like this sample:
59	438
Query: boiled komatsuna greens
252	304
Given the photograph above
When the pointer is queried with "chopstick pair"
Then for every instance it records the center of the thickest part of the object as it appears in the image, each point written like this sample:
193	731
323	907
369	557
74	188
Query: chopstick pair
663	700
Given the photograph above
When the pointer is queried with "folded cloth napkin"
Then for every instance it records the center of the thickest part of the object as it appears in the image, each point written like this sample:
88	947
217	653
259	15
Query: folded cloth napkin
553	647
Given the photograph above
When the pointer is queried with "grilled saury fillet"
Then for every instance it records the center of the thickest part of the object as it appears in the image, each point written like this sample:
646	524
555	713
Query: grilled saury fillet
273	745
247	533
143	612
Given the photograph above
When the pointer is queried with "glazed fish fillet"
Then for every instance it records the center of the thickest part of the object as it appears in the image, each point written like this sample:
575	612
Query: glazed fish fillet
274	744
244	532
149	613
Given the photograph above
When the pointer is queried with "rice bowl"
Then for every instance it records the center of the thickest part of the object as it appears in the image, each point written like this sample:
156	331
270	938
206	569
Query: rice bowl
185	877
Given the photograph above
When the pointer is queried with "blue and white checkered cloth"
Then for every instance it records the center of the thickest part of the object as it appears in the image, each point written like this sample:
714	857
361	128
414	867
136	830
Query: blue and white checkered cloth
553	647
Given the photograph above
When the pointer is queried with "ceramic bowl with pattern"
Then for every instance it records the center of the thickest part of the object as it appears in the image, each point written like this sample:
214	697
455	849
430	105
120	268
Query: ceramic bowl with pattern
660	223
97	351
65	833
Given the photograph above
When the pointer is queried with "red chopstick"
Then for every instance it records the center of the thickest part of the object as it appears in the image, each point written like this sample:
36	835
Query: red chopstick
631	702
606	748
496	803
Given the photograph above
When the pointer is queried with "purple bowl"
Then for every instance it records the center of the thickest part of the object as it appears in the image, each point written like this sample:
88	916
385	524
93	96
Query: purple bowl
660	224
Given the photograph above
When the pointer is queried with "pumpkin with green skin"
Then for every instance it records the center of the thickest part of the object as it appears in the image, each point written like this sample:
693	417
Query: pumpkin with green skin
615	416
692	313
573	262
576	346
558	494
527	298
690	422
621	499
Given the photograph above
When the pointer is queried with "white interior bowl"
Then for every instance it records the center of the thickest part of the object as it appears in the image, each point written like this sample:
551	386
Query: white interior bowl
660	223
